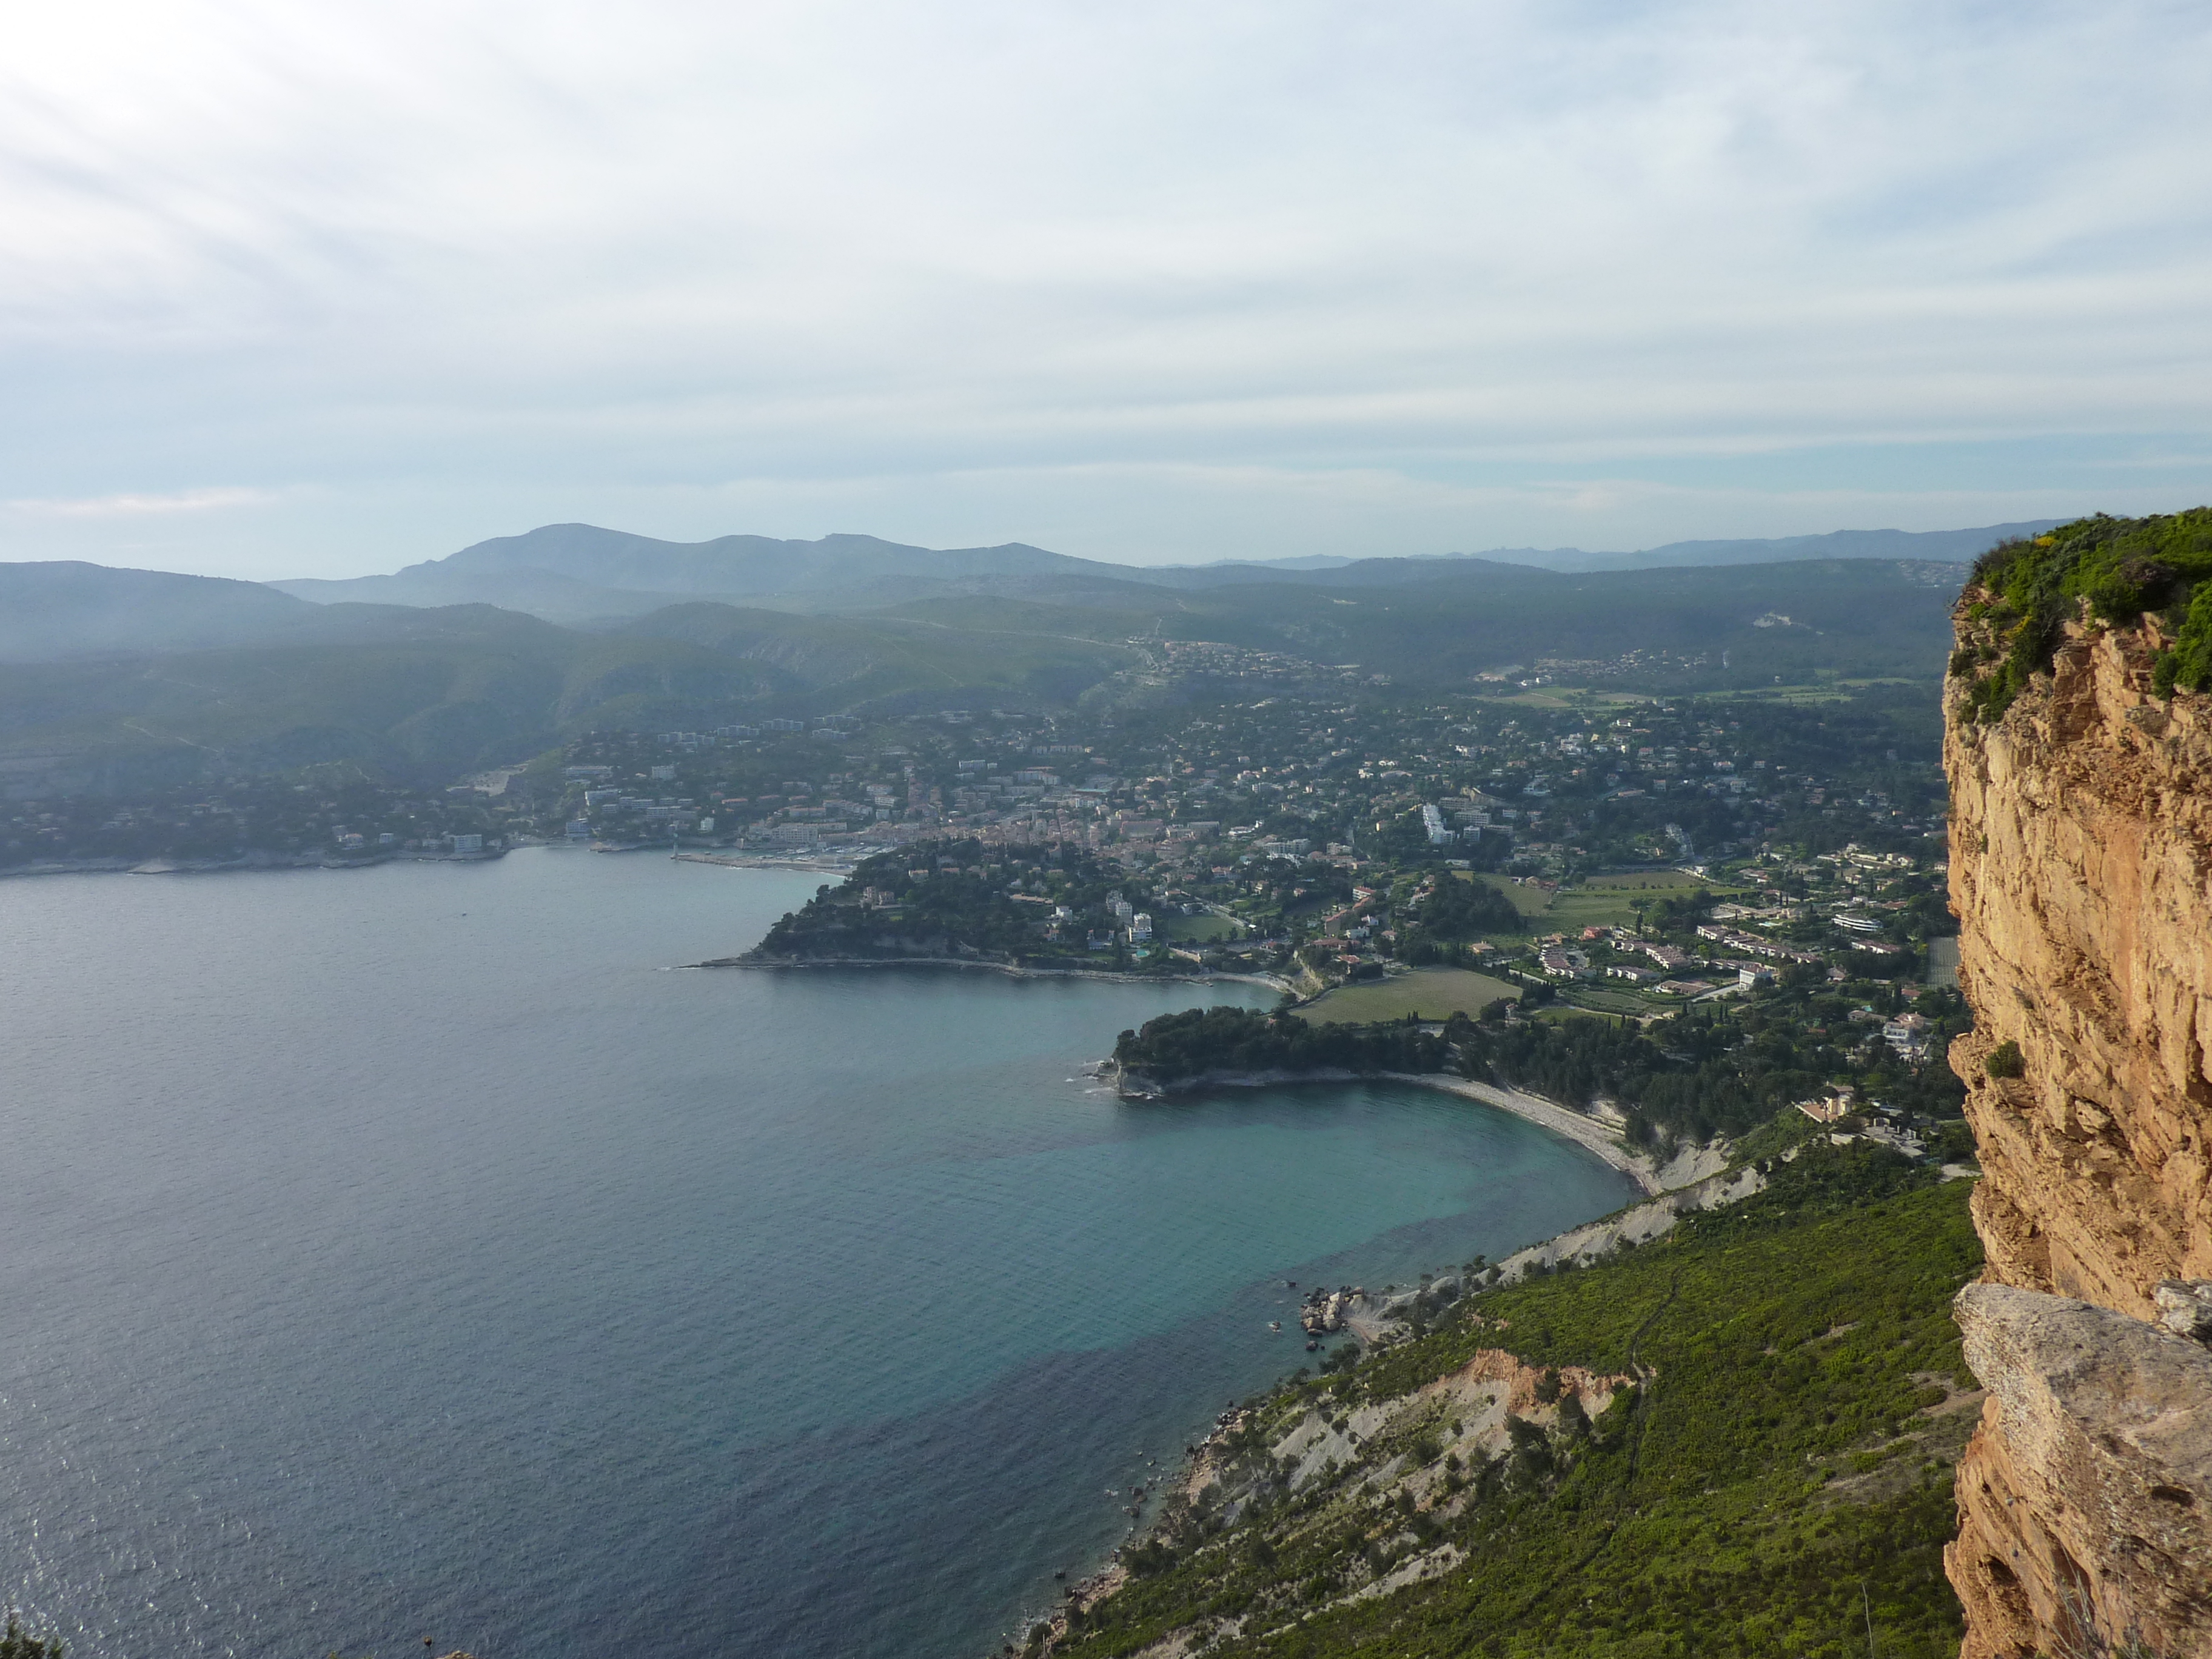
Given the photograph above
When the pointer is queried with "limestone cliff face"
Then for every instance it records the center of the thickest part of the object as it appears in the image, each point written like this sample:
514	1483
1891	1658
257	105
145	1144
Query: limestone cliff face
2081	873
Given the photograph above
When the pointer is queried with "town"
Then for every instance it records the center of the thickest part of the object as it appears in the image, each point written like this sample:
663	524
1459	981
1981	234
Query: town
1547	851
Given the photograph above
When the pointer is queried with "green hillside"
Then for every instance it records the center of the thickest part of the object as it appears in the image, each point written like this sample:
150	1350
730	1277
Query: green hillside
432	693
473	686
1742	626
1770	1474
999	650
1857	617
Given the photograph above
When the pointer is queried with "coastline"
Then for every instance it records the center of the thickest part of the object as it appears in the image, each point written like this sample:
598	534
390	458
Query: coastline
837	864
1697	1179
251	861
1012	970
1203	1462
1586	1132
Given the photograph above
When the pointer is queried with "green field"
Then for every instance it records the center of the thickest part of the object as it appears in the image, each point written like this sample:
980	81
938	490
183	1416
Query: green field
1620	1002
1652	884
1530	901
1432	992
1559	1012
1205	929
1601	901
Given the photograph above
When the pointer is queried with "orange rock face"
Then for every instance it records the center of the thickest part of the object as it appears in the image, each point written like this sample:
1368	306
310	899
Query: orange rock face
2081	874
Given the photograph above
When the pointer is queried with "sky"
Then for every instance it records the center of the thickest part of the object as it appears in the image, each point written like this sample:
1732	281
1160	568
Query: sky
321	289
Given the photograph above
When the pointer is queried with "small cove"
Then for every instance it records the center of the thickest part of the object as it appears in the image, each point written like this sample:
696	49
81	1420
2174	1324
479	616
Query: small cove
408	1251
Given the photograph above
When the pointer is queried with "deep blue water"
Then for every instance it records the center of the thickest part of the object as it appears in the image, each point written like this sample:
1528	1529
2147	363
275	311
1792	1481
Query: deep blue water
408	1252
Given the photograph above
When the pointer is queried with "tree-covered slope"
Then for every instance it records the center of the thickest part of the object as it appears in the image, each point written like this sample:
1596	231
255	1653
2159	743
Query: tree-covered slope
1860	617
931	899
1201	1039
431	693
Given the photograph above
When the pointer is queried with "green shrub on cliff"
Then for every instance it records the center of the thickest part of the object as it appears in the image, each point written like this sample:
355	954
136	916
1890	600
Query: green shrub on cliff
2119	568
15	1643
2188	666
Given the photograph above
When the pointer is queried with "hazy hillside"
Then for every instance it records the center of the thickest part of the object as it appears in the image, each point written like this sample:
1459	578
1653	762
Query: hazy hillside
468	686
481	685
431	693
1744	625
67	609
995	650
64	611
1949	546
581	575
1952	546
578	573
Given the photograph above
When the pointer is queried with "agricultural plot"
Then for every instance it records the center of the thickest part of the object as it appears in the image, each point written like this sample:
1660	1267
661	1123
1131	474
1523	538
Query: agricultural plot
1431	993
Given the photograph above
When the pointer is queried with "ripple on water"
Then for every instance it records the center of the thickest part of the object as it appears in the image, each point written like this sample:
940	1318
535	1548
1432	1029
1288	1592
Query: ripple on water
381	1271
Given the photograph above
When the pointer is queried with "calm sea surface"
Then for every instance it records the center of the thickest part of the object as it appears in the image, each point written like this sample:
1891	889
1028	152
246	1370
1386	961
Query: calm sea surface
407	1252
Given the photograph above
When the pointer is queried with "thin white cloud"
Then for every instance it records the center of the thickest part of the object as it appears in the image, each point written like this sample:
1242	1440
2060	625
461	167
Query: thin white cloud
143	506
563	258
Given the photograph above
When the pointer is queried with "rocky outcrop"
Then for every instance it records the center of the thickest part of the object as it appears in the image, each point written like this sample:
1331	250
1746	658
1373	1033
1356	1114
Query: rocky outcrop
2081	874
2092	1507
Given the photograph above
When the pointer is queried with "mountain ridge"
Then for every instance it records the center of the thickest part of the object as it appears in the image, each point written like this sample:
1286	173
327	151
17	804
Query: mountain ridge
582	574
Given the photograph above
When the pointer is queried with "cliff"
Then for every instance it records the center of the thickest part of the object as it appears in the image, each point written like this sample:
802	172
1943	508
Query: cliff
2081	874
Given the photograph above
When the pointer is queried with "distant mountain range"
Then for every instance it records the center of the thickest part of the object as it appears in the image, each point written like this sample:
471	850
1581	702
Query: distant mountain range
109	676
579	574
1944	546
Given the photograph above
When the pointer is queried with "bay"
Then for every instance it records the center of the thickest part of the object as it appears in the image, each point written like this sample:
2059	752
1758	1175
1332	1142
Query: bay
414	1252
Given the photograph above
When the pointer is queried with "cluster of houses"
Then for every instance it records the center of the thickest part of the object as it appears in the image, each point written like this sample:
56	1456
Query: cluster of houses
1674	972
1848	1118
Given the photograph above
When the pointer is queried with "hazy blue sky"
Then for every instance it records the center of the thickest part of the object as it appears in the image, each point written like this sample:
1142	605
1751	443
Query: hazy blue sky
320	289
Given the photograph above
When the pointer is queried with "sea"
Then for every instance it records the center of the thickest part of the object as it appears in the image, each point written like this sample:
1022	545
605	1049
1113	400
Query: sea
423	1254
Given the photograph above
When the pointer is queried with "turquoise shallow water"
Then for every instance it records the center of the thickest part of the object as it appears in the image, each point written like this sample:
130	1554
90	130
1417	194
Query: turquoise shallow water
409	1252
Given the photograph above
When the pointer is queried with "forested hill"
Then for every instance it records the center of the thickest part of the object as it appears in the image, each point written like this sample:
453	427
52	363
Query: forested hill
1715	1072
1175	1047
231	677
933	899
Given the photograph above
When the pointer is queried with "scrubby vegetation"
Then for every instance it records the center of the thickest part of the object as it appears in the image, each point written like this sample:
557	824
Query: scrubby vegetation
2120	569
1775	1480
16	1642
